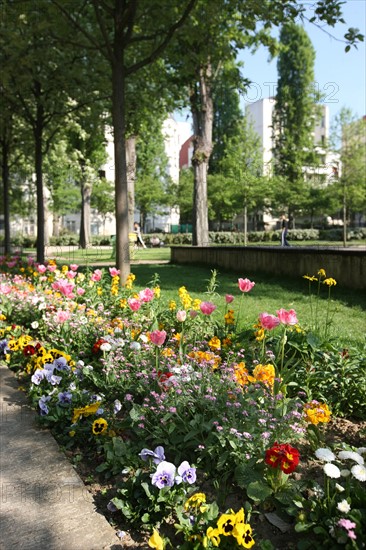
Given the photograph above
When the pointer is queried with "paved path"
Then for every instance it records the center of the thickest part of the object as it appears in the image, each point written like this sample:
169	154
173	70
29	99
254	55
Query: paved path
44	504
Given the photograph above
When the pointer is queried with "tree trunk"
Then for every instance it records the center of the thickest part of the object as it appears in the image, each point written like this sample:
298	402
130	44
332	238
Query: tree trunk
38	140
202	114
118	117
5	176
131	178
86	191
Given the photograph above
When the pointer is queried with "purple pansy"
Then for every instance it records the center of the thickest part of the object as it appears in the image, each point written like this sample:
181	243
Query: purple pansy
157	455
42	404
65	397
61	364
186	473
37	377
164	475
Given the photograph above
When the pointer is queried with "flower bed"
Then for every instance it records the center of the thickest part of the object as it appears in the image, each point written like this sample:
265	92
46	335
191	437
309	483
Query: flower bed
179	405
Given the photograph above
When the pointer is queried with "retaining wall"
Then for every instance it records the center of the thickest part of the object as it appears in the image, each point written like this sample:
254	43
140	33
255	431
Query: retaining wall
347	266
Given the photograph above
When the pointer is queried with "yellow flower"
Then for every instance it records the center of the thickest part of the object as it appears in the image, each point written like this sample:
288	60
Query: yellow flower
195	501
64	269
196	304
99	291
312	278
226	523
215	343
157	291
330	281
243	534
322	273
229	317
85	411
214	536
123	303
172	305
241	374
72	433
263	373
155	541
227	342
316	412
99	426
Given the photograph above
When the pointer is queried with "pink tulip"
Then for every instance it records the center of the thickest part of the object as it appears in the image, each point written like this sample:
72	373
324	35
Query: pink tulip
114	271
51	268
80	291
62	316
64	287
134	304
158	337
229	298
41	268
74	267
245	285
146	295
96	275
268	321
71	274
181	315
207	308
287	317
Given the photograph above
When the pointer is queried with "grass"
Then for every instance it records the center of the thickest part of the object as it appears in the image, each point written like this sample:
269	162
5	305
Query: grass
271	292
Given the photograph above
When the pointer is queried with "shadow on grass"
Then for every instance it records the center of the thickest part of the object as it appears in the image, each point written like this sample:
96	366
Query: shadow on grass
196	278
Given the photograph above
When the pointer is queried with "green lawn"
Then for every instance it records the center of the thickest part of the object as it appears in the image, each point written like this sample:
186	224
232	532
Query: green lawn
270	293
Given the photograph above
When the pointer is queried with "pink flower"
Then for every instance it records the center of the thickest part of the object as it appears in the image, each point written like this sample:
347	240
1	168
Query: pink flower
80	291
287	317
5	289
64	287
346	524
74	267
62	316
245	285
71	274
229	298
134	304
181	315
207	308
96	275
193	313
158	337
146	295
114	271
41	268
52	267
268	321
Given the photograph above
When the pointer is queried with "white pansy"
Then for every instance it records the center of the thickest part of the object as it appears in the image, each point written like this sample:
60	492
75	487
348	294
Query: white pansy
339	488
343	506
359	472
105	346
331	470
351	455
135	346
35	324
324	454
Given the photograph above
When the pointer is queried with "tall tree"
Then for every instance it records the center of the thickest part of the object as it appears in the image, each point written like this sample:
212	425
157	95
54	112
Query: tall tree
130	35
349	137
294	111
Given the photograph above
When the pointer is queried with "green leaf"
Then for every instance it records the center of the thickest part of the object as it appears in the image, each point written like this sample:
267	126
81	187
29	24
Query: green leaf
258	491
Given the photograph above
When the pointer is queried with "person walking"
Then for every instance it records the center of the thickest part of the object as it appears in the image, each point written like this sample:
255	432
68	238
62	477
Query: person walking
284	231
137	231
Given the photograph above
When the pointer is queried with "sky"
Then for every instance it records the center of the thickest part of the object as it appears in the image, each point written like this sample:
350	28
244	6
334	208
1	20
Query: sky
340	76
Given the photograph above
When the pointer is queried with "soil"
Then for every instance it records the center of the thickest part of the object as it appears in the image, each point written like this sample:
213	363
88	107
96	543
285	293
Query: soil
338	431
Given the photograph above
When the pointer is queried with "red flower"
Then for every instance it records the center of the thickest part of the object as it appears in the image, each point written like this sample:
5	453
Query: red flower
97	345
284	456
163	378
29	350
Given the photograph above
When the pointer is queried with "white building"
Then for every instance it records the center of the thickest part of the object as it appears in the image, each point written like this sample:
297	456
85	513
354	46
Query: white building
260	113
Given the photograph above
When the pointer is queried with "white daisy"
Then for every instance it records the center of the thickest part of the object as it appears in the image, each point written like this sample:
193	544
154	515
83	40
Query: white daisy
339	488
352	455
343	506
359	472
331	470
324	454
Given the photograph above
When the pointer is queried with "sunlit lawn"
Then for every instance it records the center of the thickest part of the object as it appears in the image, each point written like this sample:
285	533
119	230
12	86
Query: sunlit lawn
348	307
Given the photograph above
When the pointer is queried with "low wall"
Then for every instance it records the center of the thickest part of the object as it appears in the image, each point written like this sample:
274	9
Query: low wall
346	266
